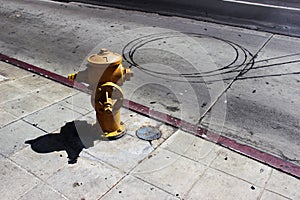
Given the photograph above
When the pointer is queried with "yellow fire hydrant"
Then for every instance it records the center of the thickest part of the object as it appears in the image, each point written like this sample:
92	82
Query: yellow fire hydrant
105	74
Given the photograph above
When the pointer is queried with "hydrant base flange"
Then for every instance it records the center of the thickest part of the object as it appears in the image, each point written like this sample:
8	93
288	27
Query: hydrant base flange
116	134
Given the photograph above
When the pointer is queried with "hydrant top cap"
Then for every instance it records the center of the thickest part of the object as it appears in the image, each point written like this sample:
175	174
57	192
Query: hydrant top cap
105	57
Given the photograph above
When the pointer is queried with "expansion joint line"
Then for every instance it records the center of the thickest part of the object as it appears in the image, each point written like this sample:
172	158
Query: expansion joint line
241	73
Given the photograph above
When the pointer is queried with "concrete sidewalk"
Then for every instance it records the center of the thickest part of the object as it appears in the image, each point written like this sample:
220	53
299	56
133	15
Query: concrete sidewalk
177	166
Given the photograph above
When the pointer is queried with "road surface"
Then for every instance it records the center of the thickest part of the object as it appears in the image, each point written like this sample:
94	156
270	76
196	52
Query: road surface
276	16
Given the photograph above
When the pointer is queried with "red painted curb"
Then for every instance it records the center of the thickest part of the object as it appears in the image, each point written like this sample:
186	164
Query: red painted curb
45	73
246	150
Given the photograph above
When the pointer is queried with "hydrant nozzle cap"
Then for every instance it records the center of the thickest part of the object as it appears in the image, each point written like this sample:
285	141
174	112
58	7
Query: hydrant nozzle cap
104	51
105	57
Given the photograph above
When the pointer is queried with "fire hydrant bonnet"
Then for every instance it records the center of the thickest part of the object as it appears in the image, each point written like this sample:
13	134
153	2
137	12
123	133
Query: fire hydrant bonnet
105	57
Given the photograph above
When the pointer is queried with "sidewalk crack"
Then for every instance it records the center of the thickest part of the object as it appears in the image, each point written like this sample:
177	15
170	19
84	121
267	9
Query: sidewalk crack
264	188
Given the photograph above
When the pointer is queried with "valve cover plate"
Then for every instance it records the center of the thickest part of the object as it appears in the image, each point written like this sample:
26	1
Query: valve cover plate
148	133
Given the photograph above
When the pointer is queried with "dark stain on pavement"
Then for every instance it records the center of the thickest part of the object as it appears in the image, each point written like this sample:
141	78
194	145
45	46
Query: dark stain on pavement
169	108
76	184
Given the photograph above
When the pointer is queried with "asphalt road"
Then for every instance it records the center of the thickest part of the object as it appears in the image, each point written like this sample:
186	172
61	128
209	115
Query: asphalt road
244	83
277	16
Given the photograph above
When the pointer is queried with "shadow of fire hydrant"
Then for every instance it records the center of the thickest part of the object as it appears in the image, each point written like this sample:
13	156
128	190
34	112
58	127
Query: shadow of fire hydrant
73	137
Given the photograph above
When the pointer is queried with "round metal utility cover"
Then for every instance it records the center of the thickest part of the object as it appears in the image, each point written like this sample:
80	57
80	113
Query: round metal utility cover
105	57
148	133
